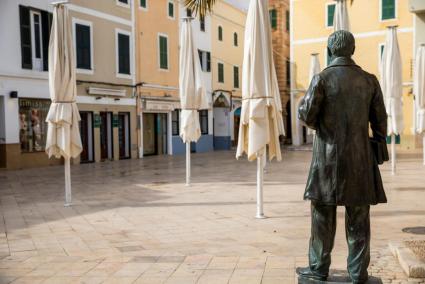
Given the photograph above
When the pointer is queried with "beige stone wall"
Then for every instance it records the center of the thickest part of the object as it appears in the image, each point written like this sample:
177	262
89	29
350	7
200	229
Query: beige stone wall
111	7
149	24
280	37
232	20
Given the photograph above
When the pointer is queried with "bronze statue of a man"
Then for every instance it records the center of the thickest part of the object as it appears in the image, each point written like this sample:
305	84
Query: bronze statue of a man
340	104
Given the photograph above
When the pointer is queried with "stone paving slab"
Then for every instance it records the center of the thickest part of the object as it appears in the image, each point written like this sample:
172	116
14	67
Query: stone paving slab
134	221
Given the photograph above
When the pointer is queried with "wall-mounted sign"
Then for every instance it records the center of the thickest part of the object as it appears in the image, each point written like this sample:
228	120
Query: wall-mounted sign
160	106
97	121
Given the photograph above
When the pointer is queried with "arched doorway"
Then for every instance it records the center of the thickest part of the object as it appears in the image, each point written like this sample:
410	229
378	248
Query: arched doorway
222	137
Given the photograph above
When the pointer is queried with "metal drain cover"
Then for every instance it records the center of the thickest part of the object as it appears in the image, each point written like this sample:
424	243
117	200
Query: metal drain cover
414	230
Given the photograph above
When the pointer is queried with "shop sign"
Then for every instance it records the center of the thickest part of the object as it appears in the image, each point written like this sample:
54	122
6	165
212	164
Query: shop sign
160	106
97	121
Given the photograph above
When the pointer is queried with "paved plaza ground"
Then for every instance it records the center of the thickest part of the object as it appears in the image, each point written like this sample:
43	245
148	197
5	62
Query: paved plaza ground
134	221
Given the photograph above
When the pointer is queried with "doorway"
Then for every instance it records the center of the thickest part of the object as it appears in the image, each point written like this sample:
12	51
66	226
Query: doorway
236	119
106	134
86	131
124	134
155	134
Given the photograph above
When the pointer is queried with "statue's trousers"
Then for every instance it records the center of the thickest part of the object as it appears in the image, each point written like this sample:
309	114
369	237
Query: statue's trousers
357	229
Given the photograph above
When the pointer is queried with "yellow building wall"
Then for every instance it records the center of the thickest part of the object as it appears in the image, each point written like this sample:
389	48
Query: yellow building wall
231	20
149	24
310	36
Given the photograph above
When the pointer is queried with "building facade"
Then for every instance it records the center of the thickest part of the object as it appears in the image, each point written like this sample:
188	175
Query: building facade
103	43
228	27
369	23
280	25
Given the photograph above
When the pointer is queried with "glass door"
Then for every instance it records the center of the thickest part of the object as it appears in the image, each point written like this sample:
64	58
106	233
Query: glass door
106	143
86	131
124	135
149	137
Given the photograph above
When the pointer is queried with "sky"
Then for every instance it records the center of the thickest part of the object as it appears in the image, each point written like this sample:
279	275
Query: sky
243	4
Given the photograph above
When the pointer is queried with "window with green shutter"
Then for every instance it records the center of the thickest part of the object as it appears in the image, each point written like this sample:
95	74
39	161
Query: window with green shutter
220	73
123	54
163	52
220	33
236	77
387	9
273	18
330	15
143	3
171	9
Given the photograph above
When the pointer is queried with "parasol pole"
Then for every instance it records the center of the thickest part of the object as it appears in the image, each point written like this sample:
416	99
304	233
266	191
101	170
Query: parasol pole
260	182
393	154
188	175
423	145
68	200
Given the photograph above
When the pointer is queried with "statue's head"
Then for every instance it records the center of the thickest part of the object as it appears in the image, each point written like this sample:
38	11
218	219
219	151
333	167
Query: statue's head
341	44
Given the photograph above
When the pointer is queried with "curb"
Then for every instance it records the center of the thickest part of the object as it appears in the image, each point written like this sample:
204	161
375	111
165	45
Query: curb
411	265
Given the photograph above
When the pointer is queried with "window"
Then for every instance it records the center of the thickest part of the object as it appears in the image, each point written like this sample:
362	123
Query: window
288	73
175	122
123	53
220	72
188	13
32	124
273	18
202	23
83	46
288	21
35	33
124	3
203	121
144	4
220	33
235	39
236	77
163	52
330	13
388	9
171	9
205	59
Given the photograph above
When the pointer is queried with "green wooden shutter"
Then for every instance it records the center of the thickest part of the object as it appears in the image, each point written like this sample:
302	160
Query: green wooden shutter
123	54
273	18
83	44
26	49
220	33
163	52
331	14
143	3
220	72
170	9
236	77
388	9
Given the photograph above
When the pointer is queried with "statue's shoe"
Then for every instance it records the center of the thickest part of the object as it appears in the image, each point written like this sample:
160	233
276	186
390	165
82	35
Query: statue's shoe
307	273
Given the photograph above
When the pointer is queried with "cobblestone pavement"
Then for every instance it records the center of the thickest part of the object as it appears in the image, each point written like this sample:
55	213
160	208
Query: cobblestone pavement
134	221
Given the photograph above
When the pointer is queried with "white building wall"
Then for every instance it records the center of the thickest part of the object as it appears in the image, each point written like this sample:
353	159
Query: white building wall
28	83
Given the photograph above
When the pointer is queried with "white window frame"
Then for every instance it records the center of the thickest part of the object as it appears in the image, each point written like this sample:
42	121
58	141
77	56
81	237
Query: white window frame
33	58
224	72
159	52
74	30
174	10
326	14
144	8
117	74
395	12
123	4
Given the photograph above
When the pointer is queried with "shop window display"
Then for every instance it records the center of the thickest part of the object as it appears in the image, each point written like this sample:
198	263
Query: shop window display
33	125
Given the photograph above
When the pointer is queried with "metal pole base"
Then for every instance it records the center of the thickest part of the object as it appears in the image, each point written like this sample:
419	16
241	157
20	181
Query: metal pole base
67	205
261	216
